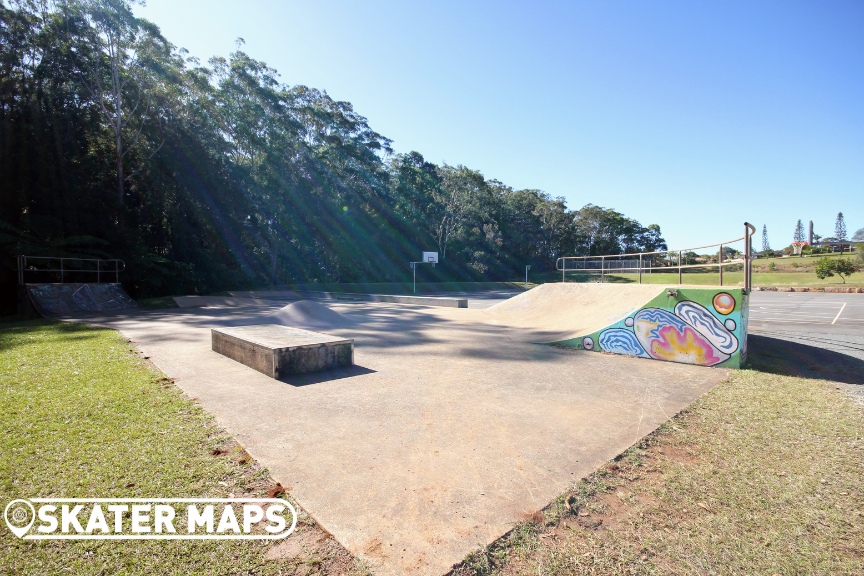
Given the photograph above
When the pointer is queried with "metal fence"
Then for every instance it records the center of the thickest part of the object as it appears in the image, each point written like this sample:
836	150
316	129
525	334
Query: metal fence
597	263
63	268
664	260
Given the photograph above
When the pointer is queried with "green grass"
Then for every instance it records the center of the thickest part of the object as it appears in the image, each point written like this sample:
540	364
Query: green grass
83	415
762	475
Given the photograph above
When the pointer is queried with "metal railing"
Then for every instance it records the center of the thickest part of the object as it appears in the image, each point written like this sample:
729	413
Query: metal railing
637	261
28	265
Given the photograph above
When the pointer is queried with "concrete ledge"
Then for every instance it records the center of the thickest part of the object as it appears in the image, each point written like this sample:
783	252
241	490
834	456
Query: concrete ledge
422	300
393	298
279	351
228	301
277	297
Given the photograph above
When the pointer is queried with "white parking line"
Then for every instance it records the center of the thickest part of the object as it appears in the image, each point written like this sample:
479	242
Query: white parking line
826	309
830	313
838	313
786	320
842	322
825	305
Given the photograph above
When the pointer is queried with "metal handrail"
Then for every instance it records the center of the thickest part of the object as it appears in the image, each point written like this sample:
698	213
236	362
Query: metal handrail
749	230
23	267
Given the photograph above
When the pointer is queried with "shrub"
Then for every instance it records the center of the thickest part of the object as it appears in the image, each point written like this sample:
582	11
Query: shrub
827	267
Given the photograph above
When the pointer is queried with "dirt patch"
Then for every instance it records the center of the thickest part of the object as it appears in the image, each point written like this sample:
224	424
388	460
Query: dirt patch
311	550
300	544
673	453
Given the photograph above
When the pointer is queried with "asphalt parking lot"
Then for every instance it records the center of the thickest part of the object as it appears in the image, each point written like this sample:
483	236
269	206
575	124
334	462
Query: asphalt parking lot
824	320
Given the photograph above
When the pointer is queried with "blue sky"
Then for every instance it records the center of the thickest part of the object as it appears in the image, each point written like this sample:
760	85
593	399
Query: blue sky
696	116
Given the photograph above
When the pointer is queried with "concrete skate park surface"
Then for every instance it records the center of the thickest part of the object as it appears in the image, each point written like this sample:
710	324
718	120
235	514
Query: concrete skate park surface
450	428
265	297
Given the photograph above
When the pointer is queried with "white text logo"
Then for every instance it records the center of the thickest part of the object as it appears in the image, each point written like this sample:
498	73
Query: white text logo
150	518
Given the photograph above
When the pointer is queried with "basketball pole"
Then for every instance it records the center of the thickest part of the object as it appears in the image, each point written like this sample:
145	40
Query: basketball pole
428	258
414	269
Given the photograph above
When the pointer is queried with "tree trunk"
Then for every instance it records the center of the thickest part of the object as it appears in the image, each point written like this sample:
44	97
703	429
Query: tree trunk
121	193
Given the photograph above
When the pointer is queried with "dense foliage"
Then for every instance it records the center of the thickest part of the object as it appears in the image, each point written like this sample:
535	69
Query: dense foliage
115	143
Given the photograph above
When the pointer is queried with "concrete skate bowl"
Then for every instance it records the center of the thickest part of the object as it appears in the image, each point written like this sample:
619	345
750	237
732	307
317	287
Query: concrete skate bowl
58	300
706	326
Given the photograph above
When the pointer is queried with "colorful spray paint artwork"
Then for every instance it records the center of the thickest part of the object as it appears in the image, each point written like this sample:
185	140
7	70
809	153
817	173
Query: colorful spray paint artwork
53	300
693	326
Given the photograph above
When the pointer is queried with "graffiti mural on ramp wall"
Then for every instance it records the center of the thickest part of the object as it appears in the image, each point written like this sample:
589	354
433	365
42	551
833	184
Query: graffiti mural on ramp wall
52	300
703	326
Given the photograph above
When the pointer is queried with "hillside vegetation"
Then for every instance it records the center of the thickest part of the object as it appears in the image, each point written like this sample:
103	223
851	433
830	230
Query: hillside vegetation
217	175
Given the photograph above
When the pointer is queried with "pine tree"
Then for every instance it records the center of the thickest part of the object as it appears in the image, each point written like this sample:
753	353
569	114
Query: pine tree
765	245
840	228
799	232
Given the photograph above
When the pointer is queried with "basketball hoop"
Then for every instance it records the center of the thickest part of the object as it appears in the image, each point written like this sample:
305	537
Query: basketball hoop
797	247
428	258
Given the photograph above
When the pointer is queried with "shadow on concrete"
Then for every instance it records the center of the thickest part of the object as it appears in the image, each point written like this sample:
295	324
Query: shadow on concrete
793	359
398	329
326	376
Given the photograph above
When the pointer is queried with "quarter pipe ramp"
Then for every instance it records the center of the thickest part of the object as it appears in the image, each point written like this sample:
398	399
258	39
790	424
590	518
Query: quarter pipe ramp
56	300
699	325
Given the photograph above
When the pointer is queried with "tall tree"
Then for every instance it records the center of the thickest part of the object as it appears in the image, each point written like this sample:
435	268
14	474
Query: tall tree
556	225
415	185
799	232
605	231
840	229
464	195
765	245
119	47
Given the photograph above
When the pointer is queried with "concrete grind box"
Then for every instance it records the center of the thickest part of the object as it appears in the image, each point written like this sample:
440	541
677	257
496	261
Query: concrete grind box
279	351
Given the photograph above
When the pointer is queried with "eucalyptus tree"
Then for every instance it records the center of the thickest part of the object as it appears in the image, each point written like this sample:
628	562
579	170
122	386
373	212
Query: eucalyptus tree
536	228
599	229
605	231
416	187
521	226
117	51
463	205
350	181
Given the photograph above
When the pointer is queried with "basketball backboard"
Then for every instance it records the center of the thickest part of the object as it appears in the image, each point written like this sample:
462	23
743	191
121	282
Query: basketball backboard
430	257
